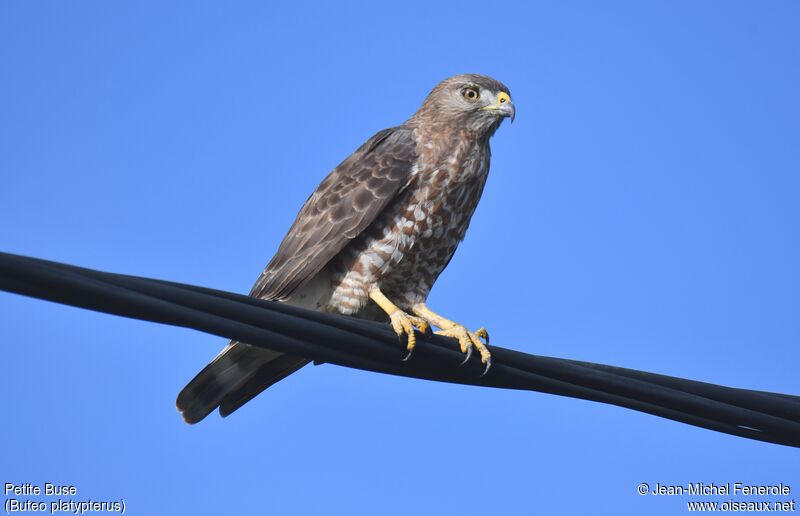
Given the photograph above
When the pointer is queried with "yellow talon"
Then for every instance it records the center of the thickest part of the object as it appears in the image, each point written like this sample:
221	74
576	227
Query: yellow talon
468	341
404	324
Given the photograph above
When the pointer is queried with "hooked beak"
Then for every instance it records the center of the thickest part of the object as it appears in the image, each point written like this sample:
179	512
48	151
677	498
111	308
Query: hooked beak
503	106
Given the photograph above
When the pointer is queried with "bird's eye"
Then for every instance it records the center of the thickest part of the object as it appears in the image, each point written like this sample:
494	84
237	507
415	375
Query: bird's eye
470	94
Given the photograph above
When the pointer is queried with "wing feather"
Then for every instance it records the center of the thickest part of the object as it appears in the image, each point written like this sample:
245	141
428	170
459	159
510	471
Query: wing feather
343	205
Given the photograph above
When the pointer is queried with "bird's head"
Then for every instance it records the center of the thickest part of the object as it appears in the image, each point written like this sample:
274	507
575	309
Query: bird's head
475	102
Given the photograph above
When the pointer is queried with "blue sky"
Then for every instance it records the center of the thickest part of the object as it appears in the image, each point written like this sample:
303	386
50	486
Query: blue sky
642	211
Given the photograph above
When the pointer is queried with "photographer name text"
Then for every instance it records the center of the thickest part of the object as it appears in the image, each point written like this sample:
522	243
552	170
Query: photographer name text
726	489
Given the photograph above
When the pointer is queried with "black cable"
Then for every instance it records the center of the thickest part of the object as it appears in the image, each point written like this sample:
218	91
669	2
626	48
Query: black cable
373	346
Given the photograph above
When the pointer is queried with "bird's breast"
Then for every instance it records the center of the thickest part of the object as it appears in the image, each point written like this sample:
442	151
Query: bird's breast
411	242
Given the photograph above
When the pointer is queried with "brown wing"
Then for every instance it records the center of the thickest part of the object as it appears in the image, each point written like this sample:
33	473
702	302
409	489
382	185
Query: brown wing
343	205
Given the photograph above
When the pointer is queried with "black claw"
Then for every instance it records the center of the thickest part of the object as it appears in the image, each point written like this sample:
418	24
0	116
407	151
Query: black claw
408	355
488	365
466	359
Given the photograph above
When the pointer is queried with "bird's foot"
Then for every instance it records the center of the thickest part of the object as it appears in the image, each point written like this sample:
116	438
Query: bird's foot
404	324
468	341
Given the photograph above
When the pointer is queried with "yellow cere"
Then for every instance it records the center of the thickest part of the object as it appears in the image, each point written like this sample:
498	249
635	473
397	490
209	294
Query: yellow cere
503	97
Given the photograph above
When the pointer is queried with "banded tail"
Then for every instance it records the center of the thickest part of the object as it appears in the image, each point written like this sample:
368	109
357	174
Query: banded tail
241	371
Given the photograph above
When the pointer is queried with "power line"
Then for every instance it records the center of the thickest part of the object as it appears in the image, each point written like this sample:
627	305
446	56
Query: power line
373	346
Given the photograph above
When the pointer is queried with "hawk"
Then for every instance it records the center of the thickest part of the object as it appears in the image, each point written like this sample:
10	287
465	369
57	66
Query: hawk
373	237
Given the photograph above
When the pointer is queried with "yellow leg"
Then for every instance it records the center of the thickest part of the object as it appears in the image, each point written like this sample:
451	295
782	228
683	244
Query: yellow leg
402	323
467	339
